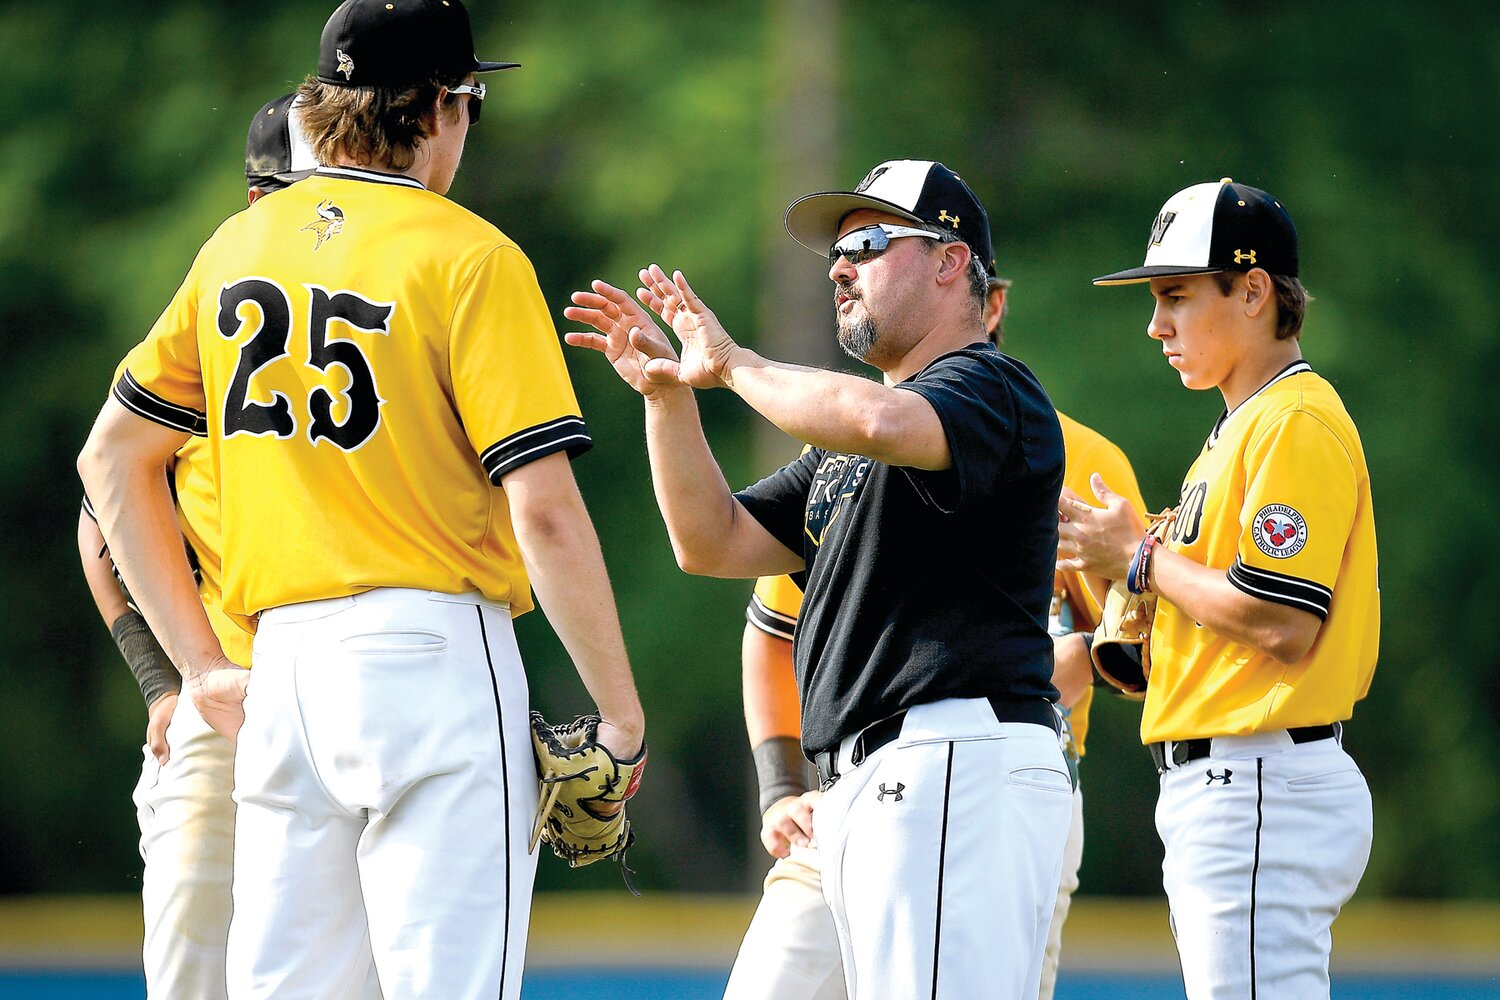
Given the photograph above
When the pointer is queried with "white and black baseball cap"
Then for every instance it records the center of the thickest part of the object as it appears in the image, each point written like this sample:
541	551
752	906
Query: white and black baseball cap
276	152
395	43
1220	226
920	191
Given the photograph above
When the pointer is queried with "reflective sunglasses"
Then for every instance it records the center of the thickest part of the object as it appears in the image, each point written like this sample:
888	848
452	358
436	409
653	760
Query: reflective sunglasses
476	98
860	245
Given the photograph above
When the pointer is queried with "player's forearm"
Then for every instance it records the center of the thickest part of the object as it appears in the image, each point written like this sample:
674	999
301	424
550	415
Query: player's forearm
1072	669
103	586
1207	596
710	532
837	411
772	707
123	467
567	572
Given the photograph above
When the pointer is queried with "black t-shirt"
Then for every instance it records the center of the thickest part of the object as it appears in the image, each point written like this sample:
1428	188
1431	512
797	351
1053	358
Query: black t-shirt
926	585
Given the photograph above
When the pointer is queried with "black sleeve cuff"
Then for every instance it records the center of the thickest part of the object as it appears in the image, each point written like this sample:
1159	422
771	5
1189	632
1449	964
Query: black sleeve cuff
768	621
1280	589
563	434
142	401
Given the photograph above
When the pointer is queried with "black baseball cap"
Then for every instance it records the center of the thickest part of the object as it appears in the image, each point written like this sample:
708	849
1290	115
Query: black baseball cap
276	154
921	191
1219	226
395	43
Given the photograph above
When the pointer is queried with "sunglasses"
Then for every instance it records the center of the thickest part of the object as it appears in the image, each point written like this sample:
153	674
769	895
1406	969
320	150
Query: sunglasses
476	98
860	245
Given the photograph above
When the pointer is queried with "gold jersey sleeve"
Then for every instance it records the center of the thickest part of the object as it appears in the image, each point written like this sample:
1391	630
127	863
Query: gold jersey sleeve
775	606
198	513
367	360
1279	499
1086	452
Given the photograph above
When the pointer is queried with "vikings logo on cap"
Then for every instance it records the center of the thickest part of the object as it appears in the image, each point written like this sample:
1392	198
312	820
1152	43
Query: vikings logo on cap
1279	531
346	65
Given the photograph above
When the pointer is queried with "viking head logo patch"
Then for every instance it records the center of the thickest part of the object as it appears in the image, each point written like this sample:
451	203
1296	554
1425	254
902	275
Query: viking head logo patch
328	224
346	65
1159	227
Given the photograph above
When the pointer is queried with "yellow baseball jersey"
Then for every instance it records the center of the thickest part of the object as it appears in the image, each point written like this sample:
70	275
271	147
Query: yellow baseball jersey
367	360
775	605
198	514
1279	499
1086	452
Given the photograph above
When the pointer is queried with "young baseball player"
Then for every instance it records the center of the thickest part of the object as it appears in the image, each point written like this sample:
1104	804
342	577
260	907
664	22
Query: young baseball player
369	361
183	802
922	653
790	951
1268	611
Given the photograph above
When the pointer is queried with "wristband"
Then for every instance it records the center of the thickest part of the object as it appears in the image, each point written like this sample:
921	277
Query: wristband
149	663
780	769
1140	564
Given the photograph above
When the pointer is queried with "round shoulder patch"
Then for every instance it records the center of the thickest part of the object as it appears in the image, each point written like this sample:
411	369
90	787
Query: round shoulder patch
1279	531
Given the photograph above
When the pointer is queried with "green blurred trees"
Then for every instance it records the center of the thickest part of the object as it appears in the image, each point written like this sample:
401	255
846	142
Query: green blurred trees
640	132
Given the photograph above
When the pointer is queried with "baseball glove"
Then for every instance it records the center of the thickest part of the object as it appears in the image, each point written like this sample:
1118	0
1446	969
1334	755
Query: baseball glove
1121	649
578	774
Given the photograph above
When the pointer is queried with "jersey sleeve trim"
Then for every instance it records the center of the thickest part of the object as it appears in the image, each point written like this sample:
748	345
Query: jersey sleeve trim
1281	589
88	508
143	402
510	453
769	621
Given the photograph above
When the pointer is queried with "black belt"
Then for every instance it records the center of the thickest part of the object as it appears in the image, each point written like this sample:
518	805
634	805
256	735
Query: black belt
877	735
1189	750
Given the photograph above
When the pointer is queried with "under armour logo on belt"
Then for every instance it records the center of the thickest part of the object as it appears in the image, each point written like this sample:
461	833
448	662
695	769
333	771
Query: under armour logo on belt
884	791
1244	256
1218	777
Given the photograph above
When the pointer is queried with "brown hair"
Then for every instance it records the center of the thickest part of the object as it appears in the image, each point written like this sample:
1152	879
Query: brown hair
373	126
1291	301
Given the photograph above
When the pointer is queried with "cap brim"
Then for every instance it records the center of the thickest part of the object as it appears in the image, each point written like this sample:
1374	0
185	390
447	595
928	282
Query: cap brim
813	220
490	67
1139	274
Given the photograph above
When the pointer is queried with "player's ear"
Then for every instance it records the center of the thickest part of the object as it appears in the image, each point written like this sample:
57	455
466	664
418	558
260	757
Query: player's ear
1259	292
253	195
953	263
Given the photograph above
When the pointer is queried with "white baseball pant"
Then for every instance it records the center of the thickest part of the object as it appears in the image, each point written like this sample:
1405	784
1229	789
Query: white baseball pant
791	949
186	817
386	789
942	854
1265	842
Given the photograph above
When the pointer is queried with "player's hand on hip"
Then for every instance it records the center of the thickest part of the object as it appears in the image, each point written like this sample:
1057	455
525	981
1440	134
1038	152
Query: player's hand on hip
627	337
706	345
788	823
1098	538
158	718
219	694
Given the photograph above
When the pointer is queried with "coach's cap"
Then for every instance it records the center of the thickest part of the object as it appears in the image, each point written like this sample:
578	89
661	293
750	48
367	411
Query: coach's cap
276	153
396	43
921	191
1221	226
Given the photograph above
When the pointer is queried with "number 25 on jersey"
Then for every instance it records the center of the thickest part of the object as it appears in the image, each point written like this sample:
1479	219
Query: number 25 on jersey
270	341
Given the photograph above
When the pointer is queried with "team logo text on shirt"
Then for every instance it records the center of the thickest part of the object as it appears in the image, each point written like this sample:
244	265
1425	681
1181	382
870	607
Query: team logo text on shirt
837	480
1279	531
1189	514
